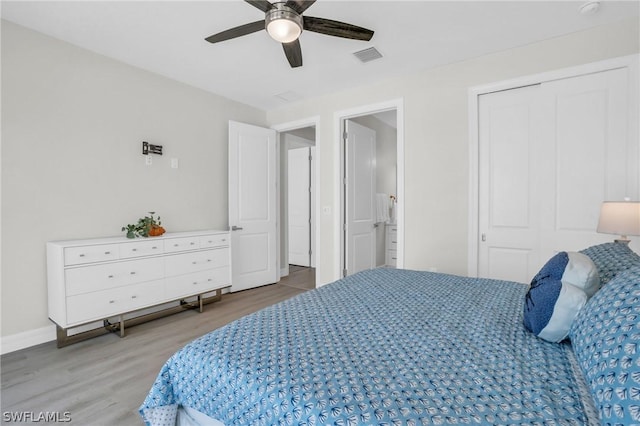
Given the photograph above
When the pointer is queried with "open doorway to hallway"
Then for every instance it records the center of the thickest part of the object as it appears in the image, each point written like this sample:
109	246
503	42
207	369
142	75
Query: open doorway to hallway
297	205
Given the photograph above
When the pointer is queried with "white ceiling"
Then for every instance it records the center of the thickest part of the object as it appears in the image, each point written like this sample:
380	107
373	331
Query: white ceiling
167	37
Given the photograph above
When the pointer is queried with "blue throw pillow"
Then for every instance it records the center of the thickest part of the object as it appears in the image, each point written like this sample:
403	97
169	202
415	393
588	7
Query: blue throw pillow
606	340
557	293
550	307
611	258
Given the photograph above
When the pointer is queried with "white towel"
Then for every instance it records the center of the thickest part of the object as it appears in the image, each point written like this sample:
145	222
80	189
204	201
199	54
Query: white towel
382	208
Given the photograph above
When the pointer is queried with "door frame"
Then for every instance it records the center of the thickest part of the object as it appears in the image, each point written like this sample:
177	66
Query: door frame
629	61
339	118
313	121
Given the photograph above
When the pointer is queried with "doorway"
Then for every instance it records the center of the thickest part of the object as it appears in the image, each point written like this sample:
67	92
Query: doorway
371	187
298	201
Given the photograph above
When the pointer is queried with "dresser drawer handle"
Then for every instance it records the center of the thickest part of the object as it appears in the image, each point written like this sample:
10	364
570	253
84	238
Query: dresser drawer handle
112	301
208	260
132	273
195	283
210	279
194	262
192	243
134	297
135	249
107	252
224	239
176	245
154	248
81	255
110	276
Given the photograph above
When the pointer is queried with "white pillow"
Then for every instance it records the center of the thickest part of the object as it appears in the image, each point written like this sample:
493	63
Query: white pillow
581	272
567	306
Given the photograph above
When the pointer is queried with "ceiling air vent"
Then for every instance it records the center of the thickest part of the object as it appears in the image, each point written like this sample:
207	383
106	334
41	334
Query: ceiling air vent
368	55
288	96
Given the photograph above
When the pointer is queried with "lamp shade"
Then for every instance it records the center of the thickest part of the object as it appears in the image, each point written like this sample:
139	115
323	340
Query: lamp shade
621	218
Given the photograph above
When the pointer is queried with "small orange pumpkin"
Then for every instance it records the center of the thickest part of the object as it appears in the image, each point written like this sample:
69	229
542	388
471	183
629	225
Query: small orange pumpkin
156	231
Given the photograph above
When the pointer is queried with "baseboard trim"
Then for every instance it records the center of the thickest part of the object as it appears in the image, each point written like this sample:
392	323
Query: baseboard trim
26	339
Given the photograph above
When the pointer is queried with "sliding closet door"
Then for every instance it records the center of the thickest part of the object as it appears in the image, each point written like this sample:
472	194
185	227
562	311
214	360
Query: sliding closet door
588	157
548	156
508	192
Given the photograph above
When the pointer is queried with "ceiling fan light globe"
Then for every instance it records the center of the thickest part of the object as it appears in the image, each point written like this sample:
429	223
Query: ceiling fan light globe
284	30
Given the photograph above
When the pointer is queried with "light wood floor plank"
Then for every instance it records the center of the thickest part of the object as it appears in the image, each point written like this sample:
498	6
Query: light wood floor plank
103	381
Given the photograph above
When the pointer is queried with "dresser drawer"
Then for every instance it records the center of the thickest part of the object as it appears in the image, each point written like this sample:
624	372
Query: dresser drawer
87	279
181	244
391	258
392	238
141	248
197	261
90	254
103	304
218	240
198	282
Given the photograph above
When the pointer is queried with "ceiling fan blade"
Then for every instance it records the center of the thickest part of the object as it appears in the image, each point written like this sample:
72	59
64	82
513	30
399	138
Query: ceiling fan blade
336	28
299	5
236	32
294	53
263	5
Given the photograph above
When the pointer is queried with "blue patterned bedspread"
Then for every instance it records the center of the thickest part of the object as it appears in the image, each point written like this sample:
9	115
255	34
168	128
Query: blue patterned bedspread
381	347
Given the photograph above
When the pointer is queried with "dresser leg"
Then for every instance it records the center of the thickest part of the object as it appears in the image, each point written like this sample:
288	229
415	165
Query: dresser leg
121	326
61	336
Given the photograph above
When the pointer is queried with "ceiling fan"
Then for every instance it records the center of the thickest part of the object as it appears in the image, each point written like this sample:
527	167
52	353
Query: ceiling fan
284	23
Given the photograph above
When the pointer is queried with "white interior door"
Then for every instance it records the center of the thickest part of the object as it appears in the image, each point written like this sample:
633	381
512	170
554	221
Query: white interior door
589	156
548	156
252	205
508	190
299	206
360	193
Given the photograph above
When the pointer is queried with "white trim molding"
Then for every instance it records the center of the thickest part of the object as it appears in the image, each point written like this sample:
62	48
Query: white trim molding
26	339
630	61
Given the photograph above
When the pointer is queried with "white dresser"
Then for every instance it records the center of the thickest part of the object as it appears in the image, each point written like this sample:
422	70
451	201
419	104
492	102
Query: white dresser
96	279
391	244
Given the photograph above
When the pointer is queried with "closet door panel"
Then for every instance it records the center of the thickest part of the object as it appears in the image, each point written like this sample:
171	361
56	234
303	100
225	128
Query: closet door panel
549	155
507	192
585	133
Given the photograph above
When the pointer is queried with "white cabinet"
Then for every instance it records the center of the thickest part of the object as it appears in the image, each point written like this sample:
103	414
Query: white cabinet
391	245
96	279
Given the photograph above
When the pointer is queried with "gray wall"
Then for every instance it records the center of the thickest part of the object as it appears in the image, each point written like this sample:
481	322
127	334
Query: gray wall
72	127
73	122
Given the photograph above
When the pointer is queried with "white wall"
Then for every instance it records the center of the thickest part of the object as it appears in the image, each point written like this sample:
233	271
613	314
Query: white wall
73	123
436	138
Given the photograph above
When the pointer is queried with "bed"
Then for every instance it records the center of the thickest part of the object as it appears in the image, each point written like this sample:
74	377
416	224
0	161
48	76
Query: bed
403	347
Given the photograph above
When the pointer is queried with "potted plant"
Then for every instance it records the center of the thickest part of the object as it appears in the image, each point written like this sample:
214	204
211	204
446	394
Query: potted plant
147	226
